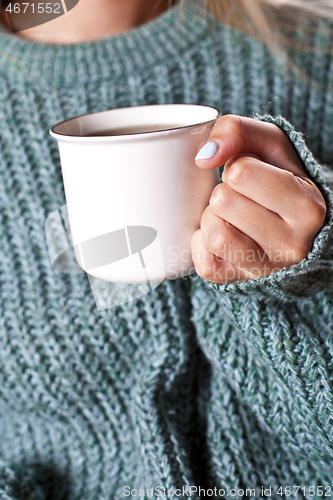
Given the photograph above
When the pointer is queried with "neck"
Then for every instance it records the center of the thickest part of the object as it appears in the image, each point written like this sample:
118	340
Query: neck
92	20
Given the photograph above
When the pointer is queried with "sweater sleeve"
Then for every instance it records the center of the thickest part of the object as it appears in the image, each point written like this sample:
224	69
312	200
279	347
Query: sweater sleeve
314	273
272	339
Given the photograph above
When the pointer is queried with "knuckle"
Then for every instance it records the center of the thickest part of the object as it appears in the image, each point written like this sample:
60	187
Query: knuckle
201	257
222	196
235	125
236	170
297	251
216	242
287	175
280	135
203	268
233	121
204	272
218	190
207	218
221	243
313	209
206	214
317	209
290	248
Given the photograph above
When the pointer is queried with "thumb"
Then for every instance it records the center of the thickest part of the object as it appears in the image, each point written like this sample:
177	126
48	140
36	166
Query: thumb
233	135
207	152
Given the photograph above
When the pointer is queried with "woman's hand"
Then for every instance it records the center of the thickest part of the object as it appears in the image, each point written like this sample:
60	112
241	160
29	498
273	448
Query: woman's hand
266	213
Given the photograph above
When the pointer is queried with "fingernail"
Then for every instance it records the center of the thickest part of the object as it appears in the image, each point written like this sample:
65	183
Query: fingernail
207	151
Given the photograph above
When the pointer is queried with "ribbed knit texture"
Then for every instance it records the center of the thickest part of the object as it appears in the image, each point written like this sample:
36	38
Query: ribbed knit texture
226	386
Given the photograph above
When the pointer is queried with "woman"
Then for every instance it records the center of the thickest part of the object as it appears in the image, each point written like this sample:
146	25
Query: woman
214	385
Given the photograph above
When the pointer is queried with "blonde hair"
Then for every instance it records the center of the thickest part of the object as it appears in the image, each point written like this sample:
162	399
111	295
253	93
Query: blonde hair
276	22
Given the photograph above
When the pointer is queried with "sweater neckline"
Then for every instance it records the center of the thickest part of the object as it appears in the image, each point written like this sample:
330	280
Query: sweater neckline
68	65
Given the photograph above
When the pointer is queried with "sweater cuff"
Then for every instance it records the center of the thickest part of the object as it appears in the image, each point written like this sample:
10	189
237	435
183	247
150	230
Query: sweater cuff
314	273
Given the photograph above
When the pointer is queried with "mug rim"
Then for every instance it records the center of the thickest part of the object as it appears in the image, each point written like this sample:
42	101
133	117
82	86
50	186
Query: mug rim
80	138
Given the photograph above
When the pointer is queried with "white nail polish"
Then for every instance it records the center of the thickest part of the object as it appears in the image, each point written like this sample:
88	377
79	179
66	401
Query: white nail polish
207	151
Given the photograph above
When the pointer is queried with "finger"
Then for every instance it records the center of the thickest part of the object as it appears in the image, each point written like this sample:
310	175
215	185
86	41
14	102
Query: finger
294	198
237	134
209	267
271	233
228	243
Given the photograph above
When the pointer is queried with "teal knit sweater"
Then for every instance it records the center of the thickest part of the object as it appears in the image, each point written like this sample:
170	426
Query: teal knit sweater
226	388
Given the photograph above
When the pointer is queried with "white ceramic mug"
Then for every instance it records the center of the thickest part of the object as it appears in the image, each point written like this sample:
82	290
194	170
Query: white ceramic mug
134	193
